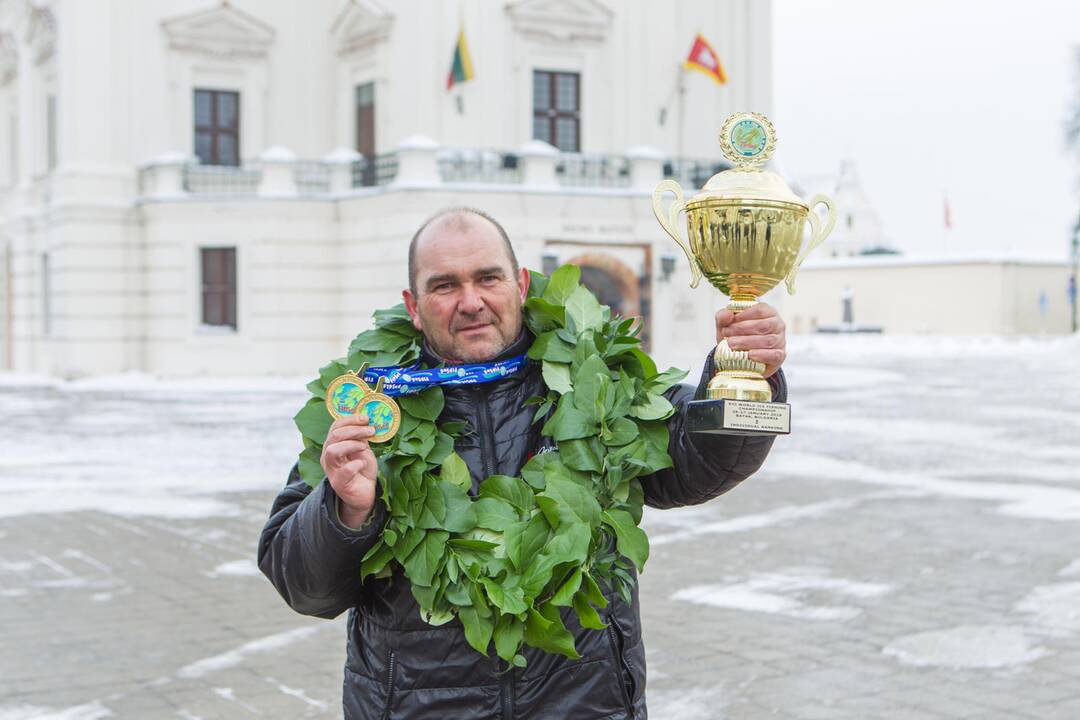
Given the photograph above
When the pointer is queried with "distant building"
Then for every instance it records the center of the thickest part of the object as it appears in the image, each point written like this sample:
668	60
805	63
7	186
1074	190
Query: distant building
193	186
931	296
858	228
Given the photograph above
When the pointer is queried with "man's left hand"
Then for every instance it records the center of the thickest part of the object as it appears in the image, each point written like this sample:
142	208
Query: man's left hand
759	330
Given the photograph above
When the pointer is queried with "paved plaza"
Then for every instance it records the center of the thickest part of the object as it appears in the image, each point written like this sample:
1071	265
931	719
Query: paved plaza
912	550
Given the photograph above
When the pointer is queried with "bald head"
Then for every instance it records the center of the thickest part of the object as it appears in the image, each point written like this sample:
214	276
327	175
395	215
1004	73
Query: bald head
456	220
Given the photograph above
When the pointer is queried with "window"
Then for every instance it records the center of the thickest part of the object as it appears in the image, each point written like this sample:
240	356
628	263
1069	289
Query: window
46	296
556	109
217	127
50	132
219	287
365	129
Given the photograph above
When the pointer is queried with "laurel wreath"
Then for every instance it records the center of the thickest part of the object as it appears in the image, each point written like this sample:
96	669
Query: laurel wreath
505	561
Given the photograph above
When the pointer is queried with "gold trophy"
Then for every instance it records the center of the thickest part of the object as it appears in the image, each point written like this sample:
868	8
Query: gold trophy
746	235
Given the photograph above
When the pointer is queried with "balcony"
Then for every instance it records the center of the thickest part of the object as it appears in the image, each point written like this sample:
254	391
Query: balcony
421	162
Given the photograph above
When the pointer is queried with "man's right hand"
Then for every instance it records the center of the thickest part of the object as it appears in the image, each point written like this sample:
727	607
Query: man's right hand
351	467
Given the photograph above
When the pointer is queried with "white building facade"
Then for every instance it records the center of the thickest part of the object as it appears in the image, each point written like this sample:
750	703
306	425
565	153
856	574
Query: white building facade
194	186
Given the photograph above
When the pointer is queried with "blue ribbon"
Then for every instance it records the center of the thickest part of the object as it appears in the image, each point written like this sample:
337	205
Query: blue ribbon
408	380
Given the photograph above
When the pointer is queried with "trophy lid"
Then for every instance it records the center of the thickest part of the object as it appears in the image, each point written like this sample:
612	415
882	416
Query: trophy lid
748	141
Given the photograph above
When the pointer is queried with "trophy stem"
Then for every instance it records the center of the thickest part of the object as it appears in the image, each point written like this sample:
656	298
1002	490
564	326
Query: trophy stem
737	305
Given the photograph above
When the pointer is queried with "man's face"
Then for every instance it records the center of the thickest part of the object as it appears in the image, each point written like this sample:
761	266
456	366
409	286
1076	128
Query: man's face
468	299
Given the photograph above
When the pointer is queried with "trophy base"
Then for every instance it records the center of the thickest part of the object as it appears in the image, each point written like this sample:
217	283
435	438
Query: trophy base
738	417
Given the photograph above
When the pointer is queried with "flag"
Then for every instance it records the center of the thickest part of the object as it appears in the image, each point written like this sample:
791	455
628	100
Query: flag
461	66
705	60
948	215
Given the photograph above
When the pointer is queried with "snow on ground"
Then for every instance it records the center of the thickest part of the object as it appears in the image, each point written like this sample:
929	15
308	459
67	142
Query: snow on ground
786	593
967	647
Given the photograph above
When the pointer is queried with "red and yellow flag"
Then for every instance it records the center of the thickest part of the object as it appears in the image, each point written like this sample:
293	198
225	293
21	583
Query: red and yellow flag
705	60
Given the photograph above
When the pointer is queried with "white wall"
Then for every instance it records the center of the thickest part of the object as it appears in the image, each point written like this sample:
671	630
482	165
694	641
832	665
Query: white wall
953	297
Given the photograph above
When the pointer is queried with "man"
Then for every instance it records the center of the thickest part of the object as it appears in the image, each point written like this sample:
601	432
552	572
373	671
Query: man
465	295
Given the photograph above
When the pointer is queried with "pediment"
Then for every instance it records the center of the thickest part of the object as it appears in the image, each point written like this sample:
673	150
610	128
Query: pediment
41	34
361	23
9	58
561	20
220	31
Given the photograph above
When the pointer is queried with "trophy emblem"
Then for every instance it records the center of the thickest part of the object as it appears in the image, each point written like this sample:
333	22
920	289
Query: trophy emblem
745	235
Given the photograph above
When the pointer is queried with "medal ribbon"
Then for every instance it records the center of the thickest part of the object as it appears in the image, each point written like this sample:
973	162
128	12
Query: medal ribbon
409	380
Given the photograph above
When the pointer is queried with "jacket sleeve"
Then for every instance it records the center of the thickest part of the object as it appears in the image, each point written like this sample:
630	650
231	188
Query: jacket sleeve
309	555
706	465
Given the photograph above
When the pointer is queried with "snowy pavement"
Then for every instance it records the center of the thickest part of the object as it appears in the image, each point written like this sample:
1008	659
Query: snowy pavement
912	550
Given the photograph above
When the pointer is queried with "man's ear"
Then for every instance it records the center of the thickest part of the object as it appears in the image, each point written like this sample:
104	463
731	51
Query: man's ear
410	305
524	278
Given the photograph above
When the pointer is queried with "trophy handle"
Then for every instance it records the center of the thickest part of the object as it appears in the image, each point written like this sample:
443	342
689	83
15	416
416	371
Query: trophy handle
817	235
669	220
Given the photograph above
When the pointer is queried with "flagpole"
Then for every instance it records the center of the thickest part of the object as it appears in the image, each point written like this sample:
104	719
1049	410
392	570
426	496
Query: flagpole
680	84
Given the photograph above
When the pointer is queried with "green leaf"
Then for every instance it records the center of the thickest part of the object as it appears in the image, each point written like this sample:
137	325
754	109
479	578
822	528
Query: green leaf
494	513
314	420
630	539
478	629
425	405
331	371
587	615
456	472
525	539
444	445
541	316
654	407
509	600
568	423
640	364
620	432
565	594
549	346
433	516
537	283
460	513
470	544
316	388
545	630
576	503
375	559
592	592
535	470
423	563
311	470
665	380
511	489
405	546
580	455
562	284
519	661
584	309
508	634
375	341
557	377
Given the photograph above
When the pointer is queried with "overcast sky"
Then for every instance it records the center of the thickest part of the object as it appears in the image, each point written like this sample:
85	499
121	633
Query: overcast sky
932	98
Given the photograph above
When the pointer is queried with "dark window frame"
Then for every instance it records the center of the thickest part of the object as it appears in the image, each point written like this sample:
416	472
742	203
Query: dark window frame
218	286
216	131
551	115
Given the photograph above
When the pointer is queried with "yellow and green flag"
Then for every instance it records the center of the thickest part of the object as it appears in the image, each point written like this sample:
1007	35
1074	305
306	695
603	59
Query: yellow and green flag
461	66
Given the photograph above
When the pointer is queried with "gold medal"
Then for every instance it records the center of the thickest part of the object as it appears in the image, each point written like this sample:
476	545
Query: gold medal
350	395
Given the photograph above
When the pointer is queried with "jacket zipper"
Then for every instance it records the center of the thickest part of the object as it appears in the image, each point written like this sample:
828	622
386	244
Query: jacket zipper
616	654
507	693
389	686
486	436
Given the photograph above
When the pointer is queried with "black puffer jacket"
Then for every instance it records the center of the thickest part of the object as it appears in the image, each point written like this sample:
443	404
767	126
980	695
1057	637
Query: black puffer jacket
400	667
